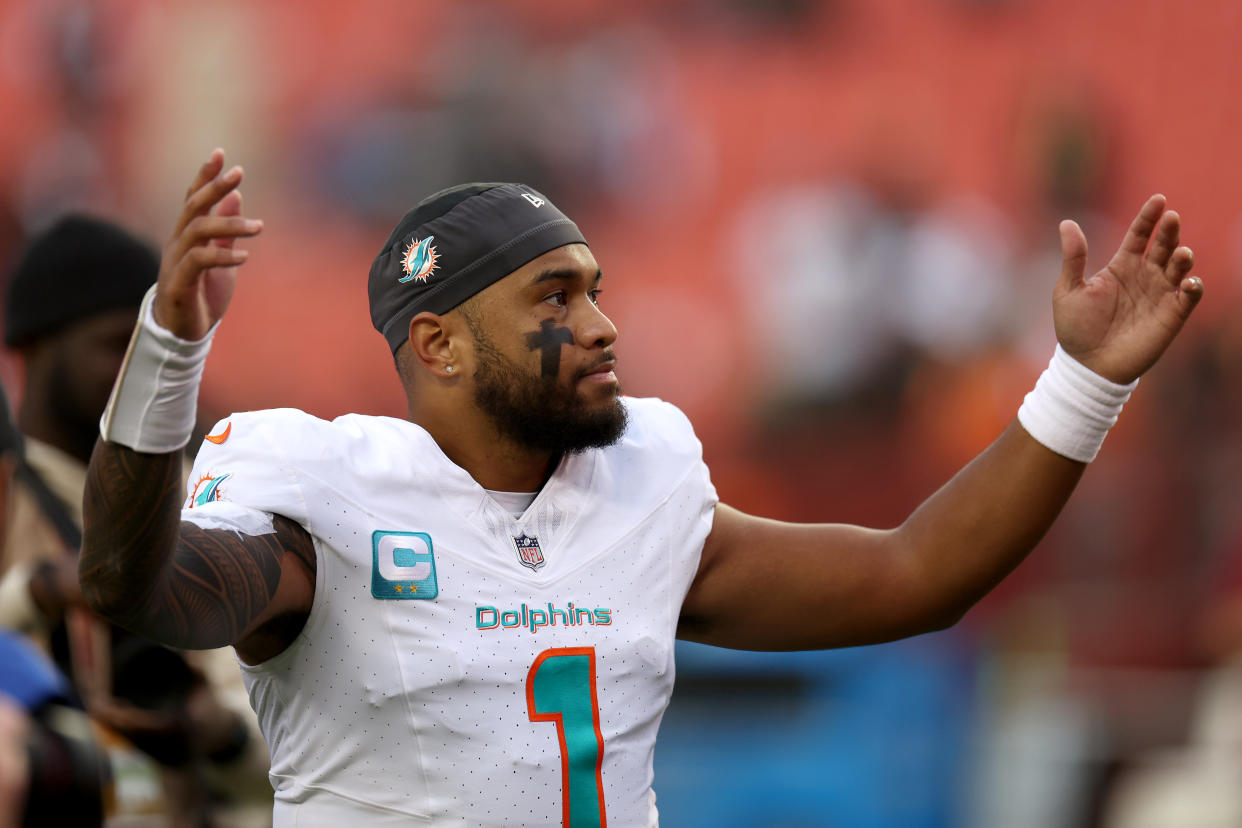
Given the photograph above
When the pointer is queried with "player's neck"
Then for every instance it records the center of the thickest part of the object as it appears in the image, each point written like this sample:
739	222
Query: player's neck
498	465
494	461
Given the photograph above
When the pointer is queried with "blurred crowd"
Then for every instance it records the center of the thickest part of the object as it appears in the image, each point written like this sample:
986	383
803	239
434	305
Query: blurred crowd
120	727
828	231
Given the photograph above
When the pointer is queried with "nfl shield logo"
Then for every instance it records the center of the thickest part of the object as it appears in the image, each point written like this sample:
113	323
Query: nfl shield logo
528	551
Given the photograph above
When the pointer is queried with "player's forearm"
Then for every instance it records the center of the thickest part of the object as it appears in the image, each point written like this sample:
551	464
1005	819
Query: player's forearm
818	586
131	515
964	539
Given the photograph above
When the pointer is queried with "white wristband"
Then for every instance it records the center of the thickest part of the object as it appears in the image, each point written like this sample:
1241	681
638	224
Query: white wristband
1072	408
153	404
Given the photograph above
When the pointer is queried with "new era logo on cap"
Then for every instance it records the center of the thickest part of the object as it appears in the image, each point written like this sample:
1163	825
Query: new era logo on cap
533	199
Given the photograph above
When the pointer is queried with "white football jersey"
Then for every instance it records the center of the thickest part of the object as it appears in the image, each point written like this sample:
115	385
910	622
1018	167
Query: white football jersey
461	666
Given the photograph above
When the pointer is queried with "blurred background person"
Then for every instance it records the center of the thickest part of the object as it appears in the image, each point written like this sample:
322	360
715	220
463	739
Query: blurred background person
52	769
70	306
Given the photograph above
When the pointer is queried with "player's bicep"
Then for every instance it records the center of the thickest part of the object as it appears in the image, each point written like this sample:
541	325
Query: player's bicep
768	585
225	586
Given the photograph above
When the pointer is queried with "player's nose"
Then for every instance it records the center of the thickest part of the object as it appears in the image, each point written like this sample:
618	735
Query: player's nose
596	329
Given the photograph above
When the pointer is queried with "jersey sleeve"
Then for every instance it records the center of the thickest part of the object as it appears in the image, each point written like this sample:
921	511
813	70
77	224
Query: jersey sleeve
242	475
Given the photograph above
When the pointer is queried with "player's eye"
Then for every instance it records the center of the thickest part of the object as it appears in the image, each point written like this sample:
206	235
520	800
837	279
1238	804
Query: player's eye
556	299
594	296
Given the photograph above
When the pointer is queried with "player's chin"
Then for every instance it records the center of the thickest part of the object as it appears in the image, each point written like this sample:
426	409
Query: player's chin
597	392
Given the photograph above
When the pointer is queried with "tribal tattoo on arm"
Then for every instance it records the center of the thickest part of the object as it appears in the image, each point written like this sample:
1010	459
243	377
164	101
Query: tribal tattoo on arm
145	569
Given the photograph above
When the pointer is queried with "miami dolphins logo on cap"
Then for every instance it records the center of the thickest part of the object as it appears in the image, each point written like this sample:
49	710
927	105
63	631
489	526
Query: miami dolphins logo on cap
420	260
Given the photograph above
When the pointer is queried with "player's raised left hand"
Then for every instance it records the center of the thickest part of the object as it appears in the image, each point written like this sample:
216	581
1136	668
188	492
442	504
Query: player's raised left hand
1119	321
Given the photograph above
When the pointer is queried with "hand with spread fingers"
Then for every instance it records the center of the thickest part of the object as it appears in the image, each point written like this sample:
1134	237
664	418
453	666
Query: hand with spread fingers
198	271
1119	321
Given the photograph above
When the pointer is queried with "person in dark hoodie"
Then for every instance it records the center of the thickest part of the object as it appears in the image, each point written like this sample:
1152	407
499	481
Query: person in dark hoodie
70	306
52	770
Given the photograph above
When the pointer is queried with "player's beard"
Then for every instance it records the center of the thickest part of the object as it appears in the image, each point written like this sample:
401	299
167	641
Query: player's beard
540	413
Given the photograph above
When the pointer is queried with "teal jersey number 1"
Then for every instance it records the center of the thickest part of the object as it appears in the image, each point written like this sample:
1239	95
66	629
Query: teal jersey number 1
560	688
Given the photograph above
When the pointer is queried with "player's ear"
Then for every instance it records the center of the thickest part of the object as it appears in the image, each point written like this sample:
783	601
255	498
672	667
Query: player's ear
434	343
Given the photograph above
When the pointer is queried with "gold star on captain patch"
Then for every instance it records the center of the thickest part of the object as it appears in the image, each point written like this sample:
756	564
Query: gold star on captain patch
413	588
397	587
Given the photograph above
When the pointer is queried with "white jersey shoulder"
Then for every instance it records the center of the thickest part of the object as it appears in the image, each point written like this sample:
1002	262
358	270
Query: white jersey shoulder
462	666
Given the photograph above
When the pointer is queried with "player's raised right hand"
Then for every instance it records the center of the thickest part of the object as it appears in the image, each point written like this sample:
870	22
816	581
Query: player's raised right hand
198	270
